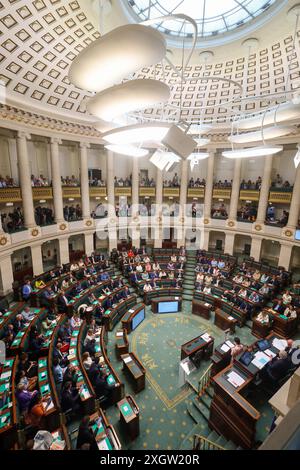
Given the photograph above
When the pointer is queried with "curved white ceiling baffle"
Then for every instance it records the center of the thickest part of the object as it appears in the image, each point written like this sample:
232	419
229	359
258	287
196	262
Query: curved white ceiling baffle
129	96
129	150
253	152
201	141
116	55
283	112
198	156
266	134
137	133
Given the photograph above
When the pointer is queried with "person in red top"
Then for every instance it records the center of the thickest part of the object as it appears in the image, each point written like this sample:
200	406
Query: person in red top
130	254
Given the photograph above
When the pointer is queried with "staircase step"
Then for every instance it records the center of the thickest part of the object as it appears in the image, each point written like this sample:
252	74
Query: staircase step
187	297
230	445
203	410
210	391
206	400
213	437
221	441
193	413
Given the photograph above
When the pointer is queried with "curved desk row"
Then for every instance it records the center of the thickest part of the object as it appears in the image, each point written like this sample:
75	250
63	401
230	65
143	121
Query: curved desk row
163	292
21	339
225	306
112	315
8	413
9	316
133	317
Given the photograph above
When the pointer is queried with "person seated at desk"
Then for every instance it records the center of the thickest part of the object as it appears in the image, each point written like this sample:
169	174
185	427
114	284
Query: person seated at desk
108	303
237	348
29	367
62	302
145	276
28	382
254	297
65	284
277	368
264	278
277	307
74	267
139	268
286	298
146	259
89	336
77	289
256	275
39	284
182	259
70	374
162	274
55	288
290	312
86	435
243	293
19	323
208	280
155	266
153	275
263	318
134	278
171	275
214	262
207	290
216	272
264	290
50	276
26	399
46	325
147	287
148	267
125	293
170	266
58	354
27	314
48	294
173	258
26	291
200	278
86	360
221	264
70	398
246	282
137	258
58	374
238	279
104	276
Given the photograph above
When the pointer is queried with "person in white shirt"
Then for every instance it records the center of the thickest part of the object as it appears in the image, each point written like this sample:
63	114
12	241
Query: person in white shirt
243	293
263	317
264	290
90	335
139	268
207	290
290	312
173	258
147	287
74	266
286	298
155	267
27	314
146	259
238	279
86	360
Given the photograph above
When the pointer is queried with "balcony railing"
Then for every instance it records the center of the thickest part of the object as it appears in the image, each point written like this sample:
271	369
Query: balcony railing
219	193
71	192
123	191
148	191
171	192
10	195
42	192
196	192
281	197
249	195
98	191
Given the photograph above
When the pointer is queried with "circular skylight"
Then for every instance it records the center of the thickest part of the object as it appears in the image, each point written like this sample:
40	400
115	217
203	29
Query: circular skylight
212	16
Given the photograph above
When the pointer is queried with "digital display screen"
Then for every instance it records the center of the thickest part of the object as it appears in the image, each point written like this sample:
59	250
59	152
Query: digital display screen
138	319
167	307
297	234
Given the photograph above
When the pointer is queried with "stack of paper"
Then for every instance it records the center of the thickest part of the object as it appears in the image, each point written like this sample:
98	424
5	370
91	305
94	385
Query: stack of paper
235	379
225	348
206	337
127	359
270	353
230	318
206	304
120	333
260	359
230	344
279	343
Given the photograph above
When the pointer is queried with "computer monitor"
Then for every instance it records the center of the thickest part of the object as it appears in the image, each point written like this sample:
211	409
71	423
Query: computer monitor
246	358
263	344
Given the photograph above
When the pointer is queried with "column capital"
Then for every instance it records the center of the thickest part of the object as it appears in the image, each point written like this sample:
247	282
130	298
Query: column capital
84	145
23	135
55	140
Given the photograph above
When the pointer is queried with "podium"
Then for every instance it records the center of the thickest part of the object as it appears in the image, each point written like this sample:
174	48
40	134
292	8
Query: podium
186	367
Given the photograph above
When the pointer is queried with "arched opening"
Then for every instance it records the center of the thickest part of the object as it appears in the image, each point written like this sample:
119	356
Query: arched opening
295	262
50	254
22	264
270	251
76	247
216	241
242	245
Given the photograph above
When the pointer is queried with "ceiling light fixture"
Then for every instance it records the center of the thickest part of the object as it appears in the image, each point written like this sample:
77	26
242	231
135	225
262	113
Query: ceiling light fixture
297	157
129	150
164	160
253	152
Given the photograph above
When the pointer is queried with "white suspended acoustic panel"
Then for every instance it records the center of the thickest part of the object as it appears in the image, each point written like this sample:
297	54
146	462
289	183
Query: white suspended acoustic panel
284	112
129	150
116	55
268	133
138	133
253	152
129	96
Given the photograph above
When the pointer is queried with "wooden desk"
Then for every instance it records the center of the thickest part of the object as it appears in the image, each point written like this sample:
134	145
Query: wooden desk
197	344
224	320
155	304
286	327
122	345
135	371
220	359
51	416
8	414
259	329
201	308
162	292
105	434
129	320
129	417
111	316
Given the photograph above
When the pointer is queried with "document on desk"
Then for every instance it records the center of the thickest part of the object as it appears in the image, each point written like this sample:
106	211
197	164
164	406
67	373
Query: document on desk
120	333
206	304
225	347
127	359
260	359
206	337
279	343
131	310
270	353
235	379
230	318
229	343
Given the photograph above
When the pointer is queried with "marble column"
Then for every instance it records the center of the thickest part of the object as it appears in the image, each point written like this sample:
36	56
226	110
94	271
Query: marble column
25	180
229	243
295	202
112	225
235	190
37	260
135	232
285	255
264	190
209	185
157	230
84	181
89	243
63	244
256	245
6	273
56	181
182	204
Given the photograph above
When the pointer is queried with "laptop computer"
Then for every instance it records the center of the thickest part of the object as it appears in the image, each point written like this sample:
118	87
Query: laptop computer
263	344
246	358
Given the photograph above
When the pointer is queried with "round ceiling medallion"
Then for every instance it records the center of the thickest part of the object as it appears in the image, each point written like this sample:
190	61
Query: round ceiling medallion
62	226
118	54
34	232
231	223
88	223
258	227
288	233
206	221
3	241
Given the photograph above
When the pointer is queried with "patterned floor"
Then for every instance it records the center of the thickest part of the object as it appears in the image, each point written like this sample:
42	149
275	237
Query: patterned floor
164	422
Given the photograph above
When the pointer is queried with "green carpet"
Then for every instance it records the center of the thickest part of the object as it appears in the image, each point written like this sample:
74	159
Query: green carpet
164	421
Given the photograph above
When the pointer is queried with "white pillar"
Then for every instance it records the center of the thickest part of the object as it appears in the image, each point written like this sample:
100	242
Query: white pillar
25	180
84	179
63	246
182	204
157	230
235	191
209	186
6	273
37	260
112	230
256	244
285	255
56	181
89	243
264	190
229	243
295	202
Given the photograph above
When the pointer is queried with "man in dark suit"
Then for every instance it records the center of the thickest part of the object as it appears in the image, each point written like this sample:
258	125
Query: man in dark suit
276	369
63	302
278	307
